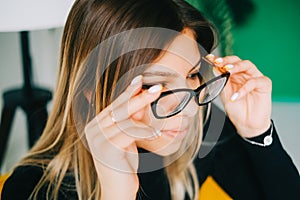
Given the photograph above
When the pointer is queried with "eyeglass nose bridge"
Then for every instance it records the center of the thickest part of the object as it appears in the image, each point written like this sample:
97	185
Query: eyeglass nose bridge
193	94
196	93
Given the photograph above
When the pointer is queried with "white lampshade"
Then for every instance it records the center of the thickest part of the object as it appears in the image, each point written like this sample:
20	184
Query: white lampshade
26	15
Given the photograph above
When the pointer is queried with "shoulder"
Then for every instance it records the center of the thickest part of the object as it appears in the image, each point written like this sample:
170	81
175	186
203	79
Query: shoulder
21	182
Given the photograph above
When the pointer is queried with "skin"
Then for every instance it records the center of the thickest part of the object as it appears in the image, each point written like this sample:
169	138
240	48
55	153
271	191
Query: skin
113	142
172	70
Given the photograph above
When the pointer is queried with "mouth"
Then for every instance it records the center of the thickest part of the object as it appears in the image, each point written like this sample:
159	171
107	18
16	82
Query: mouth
178	134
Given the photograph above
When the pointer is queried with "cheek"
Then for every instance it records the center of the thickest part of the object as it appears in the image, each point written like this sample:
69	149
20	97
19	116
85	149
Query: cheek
163	145
146	116
138	116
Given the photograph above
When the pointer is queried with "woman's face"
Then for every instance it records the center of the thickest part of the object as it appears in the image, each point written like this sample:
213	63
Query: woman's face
176	68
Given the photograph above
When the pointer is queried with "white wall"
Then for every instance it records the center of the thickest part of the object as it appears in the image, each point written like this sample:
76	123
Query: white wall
45	52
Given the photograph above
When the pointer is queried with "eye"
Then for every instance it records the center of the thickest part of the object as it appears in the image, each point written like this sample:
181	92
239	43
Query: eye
193	75
196	78
146	86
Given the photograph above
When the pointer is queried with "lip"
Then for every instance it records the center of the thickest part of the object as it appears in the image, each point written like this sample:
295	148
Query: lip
178	134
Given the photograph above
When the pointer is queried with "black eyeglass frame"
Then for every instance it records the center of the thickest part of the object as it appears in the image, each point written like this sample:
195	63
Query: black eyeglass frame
193	93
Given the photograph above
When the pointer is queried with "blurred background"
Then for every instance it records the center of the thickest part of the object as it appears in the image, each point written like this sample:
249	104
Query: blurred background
265	32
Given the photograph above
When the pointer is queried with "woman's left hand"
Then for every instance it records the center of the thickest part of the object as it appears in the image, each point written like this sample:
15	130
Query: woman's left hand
247	96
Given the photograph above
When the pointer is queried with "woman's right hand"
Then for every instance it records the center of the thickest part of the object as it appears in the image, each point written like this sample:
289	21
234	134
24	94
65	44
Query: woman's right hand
111	137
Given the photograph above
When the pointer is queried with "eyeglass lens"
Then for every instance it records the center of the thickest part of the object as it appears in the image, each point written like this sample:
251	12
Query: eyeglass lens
176	101
211	90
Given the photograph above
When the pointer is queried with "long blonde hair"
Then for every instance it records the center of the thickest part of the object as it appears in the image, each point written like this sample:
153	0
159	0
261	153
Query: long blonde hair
61	148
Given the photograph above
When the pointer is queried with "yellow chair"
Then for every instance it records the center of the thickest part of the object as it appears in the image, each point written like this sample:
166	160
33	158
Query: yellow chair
210	190
3	178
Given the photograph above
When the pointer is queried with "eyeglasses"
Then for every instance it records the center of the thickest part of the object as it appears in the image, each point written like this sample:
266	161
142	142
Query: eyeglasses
172	102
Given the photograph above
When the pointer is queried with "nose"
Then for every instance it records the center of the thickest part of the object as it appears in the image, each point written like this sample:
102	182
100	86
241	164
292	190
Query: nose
191	108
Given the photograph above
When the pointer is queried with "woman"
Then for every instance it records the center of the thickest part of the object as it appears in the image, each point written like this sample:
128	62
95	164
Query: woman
130	104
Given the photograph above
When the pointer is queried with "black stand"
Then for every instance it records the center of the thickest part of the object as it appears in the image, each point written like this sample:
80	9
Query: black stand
32	100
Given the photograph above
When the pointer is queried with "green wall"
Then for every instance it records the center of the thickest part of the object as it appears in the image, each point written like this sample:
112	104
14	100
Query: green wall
271	39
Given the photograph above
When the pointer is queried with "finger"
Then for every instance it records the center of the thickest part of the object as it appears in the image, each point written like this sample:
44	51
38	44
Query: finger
224	63
244	66
221	61
104	138
130	127
112	153
136	103
122	141
133	89
135	129
258	84
235	65
127	136
231	59
119	143
111	130
128	108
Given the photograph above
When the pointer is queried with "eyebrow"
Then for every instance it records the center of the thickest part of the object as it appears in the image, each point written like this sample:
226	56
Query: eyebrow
160	73
197	65
169	74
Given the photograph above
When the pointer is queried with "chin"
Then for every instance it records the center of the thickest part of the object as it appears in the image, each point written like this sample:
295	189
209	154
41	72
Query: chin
162	146
168	149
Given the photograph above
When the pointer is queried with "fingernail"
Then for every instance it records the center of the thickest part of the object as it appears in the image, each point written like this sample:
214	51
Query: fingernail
218	61
228	66
210	56
155	88
136	80
234	96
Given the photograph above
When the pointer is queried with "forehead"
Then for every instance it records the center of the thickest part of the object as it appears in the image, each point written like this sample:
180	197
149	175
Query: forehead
180	56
